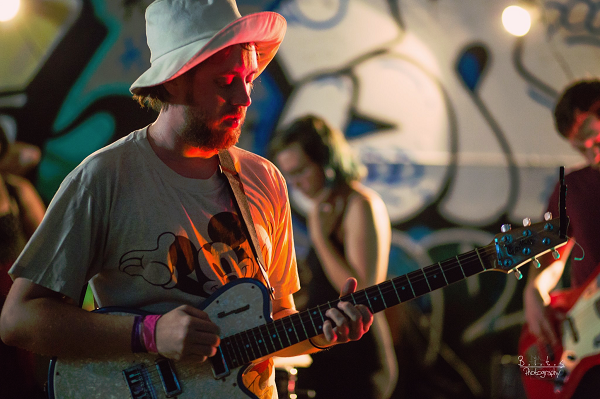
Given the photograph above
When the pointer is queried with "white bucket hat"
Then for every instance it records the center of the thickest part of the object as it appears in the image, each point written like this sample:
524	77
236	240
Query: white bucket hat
183	33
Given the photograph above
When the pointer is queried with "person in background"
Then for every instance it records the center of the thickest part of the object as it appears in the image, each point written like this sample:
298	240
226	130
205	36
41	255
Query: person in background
350	233
577	119
150	221
21	211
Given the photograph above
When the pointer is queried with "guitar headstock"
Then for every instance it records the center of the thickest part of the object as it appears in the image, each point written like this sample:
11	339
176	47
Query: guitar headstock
515	247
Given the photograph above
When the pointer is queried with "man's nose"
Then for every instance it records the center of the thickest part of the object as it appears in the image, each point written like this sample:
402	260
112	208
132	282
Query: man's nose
241	94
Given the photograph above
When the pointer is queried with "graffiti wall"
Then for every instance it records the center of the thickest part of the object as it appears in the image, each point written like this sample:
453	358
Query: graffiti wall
450	113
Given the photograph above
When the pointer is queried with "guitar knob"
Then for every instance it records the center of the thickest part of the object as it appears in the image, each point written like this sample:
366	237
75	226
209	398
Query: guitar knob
547	216
555	254
505	227
518	274
536	263
526	222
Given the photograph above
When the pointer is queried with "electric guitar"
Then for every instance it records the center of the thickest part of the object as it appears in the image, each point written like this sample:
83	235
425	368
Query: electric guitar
242	310
555	372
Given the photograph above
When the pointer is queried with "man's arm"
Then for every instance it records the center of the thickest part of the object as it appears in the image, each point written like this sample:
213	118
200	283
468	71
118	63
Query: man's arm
43	321
32	207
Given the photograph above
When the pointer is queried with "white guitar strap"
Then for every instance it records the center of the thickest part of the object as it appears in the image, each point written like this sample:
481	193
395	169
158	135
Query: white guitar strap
235	183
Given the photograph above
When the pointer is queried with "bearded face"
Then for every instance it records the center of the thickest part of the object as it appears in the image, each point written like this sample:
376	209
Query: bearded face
202	132
217	94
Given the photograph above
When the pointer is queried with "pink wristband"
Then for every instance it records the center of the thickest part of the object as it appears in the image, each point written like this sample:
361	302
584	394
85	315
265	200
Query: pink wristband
149	332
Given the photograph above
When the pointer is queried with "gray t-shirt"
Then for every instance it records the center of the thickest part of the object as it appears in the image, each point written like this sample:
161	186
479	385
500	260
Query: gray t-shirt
145	237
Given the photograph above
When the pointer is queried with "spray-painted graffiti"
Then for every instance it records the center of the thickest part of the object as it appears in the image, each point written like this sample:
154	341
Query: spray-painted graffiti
450	115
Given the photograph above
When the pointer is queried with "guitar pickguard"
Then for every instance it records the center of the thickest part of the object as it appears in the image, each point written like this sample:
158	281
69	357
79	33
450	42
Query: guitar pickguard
580	339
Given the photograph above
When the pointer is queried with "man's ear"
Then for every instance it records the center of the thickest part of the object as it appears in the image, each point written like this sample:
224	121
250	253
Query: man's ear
173	87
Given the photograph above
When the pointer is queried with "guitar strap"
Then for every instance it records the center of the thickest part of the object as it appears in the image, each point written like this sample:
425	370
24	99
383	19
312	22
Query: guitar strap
235	183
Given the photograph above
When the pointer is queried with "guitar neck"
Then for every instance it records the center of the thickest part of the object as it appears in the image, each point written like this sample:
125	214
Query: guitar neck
246	346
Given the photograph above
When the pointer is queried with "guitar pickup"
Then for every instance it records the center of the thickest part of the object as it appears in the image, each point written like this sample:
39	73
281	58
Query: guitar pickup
219	365
168	378
573	329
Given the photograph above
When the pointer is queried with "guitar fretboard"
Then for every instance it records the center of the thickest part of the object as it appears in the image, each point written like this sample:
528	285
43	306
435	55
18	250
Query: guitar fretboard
246	346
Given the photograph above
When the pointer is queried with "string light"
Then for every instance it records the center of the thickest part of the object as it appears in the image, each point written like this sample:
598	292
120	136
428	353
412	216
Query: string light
516	20
8	9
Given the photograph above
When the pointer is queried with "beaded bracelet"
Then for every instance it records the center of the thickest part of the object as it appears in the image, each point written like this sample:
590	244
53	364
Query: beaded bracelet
323	348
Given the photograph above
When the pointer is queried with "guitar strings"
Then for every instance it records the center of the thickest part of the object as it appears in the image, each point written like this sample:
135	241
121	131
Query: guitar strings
386	288
416	278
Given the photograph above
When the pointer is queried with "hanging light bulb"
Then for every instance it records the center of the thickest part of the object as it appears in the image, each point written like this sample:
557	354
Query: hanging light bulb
8	9
516	20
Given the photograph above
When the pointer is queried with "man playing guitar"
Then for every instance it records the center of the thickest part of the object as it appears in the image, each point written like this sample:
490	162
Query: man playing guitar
150	221
577	118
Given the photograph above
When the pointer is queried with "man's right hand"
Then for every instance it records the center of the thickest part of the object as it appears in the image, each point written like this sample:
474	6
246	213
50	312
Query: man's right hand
186	331
540	317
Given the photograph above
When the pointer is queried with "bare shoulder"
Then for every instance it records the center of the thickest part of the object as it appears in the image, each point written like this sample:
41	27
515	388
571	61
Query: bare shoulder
362	197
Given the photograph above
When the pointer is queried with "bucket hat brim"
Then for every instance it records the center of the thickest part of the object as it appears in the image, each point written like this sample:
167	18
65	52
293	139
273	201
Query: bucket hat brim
265	29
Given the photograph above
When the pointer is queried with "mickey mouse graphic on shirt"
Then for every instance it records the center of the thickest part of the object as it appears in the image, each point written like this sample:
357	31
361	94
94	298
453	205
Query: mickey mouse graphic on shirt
176	263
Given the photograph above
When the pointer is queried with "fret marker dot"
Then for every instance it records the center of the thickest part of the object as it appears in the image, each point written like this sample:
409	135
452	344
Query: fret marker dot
403	288
274	335
289	329
260	341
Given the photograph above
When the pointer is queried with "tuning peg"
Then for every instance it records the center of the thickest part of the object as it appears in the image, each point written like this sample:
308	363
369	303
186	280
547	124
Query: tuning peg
536	263
518	274
547	216
555	254
505	227
526	222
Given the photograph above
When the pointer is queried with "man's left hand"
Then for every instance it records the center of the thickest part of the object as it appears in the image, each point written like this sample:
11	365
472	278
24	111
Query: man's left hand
351	322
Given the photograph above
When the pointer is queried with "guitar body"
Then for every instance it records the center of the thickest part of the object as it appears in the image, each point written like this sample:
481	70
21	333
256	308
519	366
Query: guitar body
556	372
103	378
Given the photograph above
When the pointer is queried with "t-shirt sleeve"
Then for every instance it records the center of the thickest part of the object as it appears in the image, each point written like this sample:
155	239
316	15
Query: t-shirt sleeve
62	253
284	274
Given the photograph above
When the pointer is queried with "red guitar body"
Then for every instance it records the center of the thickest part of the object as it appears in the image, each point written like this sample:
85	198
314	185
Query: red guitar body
555	373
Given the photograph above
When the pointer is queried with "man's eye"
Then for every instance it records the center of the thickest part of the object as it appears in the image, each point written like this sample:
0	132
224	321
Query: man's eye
224	82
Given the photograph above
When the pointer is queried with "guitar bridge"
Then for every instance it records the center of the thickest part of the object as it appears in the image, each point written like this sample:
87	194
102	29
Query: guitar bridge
140	384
